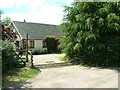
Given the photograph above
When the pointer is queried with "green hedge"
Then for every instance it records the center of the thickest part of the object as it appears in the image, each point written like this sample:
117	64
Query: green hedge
92	33
50	43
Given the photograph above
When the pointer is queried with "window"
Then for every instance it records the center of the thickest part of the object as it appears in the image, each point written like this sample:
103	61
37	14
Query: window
44	44
32	44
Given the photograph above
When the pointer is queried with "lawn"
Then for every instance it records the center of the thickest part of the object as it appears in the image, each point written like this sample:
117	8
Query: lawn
18	74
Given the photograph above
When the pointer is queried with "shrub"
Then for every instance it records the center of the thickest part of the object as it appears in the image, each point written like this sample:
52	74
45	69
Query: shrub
92	33
50	43
9	58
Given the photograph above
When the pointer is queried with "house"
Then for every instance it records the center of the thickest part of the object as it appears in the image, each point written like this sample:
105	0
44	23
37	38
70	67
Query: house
37	33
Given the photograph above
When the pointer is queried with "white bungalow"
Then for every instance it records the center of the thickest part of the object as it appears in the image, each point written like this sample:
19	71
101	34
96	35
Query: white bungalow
37	33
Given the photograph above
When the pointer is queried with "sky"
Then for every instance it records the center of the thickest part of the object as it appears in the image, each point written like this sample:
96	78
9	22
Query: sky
39	11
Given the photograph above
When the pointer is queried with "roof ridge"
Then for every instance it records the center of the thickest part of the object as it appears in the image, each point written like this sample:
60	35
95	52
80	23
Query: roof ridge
34	23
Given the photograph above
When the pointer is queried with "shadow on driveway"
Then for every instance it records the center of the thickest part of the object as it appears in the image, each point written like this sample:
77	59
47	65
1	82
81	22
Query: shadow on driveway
54	65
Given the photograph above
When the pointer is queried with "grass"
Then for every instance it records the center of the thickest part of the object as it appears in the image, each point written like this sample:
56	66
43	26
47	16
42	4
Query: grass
18	74
50	62
48	67
61	58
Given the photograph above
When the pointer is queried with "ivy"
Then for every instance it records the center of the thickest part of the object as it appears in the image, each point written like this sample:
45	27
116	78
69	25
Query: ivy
50	43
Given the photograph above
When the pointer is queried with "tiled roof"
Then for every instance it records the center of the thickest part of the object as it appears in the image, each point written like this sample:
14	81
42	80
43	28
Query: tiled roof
37	30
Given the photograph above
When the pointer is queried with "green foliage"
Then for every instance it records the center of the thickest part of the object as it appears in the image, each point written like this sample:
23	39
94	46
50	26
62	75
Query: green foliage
92	33
6	20
50	43
50	62
9	59
27	73
1	12
18	74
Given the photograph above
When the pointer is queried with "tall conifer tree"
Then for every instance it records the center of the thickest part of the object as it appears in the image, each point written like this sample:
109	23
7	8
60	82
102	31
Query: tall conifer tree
92	32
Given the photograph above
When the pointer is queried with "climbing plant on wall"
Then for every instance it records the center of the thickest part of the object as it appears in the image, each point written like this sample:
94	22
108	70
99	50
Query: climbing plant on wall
50	43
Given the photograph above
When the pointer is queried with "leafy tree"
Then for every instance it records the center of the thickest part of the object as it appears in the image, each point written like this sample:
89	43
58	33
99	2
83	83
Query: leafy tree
92	33
1	12
9	58
6	20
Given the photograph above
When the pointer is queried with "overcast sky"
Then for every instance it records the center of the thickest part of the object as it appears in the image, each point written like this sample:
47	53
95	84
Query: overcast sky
40	11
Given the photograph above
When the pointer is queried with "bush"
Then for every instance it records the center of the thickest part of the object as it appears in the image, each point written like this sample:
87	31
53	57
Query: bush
50	43
92	33
9	59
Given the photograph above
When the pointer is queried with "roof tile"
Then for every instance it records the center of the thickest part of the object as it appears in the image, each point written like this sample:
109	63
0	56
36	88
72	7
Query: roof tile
37	30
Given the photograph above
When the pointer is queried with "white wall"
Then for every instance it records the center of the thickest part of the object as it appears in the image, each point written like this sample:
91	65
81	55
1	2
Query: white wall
20	41
38	45
18	38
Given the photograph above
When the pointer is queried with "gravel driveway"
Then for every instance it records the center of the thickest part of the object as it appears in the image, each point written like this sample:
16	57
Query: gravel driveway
42	59
72	77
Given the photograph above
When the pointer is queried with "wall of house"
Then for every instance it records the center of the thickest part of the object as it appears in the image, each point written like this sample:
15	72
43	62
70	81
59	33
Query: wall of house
19	38
20	41
38	45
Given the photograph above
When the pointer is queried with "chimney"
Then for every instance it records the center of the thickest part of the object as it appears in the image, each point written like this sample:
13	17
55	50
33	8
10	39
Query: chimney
24	20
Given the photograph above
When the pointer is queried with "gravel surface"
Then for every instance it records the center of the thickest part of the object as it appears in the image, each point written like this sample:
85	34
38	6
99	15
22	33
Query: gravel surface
42	59
72	77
